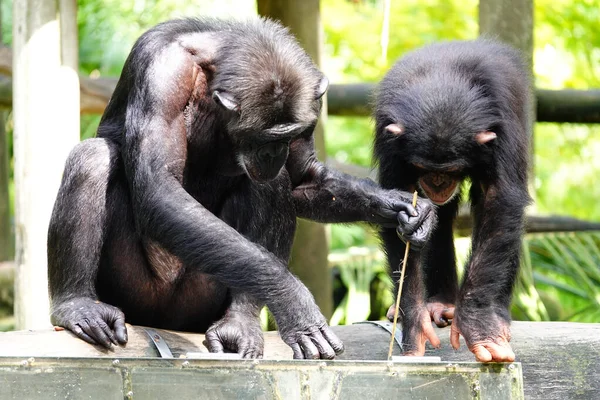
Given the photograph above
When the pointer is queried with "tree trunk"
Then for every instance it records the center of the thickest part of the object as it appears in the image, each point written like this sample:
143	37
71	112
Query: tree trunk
311	245
46	115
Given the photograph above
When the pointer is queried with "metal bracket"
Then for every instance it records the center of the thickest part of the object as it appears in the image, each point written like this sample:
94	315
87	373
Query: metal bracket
388	327
159	342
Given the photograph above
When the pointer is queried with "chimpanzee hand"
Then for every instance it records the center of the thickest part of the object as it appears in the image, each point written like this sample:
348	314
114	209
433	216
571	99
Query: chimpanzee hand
487	334
413	224
302	326
238	332
416	329
92	321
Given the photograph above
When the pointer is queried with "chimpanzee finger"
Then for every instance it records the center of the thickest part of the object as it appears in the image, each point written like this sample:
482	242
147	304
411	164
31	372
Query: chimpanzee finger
298	355
500	352
120	329
243	349
309	349
107	331
76	329
325	350
481	353
448	313
98	333
212	343
116	319
336	344
252	352
454	337
97	337
405	206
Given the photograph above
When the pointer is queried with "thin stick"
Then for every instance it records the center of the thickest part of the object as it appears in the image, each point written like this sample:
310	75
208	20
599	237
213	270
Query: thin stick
397	310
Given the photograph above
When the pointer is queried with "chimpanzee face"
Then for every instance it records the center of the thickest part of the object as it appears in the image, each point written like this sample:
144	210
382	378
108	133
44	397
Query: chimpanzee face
439	159
263	141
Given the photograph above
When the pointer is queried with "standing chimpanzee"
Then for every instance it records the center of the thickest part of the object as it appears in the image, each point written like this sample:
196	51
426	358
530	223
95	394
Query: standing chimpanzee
445	113
181	214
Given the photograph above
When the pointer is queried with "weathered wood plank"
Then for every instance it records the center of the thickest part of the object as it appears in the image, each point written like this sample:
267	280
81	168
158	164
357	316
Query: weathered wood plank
560	360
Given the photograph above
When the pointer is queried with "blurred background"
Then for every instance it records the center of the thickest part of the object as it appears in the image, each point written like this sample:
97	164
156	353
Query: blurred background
560	278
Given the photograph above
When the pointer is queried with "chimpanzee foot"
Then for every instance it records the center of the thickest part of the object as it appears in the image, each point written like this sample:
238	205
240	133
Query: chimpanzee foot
415	337
441	312
487	347
237	332
91	320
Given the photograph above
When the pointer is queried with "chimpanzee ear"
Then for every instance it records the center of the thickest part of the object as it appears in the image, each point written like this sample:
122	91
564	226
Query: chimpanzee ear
484	137
394	129
226	101
323	85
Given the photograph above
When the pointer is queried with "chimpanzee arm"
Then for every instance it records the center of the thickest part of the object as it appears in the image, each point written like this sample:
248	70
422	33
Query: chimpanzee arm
76	235
484	299
325	195
154	156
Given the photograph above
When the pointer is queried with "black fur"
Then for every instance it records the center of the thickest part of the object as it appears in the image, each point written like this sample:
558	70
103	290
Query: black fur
181	214
442	96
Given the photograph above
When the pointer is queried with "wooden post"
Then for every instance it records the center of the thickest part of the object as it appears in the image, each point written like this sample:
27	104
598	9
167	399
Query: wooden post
6	233
46	111
511	21
311	244
7	245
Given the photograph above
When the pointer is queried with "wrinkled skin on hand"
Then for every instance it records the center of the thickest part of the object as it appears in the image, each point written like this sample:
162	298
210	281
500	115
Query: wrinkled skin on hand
441	312
414	337
487	335
305	330
413	224
236	332
91	320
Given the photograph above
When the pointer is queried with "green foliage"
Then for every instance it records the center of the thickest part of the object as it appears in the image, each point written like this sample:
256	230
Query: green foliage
567	55
559	279
567	273
567	169
353	32
108	28
365	283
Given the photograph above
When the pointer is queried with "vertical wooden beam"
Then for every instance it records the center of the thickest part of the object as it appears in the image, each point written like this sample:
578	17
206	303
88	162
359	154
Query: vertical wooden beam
45	106
6	234
511	21
311	244
7	245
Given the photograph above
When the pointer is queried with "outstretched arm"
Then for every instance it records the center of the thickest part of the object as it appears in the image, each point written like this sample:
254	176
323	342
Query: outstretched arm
325	195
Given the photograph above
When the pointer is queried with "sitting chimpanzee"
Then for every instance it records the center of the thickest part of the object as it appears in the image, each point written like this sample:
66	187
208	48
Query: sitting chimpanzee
445	113
181	214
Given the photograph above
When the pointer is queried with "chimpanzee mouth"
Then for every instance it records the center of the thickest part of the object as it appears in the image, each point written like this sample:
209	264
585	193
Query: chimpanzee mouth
440	197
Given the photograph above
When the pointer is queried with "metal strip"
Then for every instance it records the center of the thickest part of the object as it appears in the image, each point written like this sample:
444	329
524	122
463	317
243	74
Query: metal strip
159	342
387	325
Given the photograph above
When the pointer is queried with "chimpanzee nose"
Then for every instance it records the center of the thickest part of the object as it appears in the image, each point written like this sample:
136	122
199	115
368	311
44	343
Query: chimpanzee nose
272	150
438	179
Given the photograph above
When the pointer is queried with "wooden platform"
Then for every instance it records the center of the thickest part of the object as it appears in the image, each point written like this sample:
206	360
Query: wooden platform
560	360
